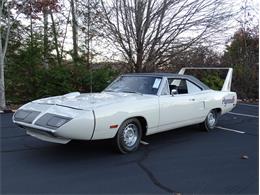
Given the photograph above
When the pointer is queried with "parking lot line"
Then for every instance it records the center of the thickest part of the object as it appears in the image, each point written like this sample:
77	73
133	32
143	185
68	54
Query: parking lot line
250	105
143	142
233	130
239	114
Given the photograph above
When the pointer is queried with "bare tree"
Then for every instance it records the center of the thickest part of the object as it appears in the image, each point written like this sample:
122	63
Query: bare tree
47	7
55	37
75	54
149	32
65	29
90	27
45	37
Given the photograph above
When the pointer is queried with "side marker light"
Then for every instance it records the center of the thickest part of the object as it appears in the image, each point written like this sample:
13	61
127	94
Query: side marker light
113	126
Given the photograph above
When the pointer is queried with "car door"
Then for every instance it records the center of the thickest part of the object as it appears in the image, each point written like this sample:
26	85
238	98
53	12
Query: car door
183	108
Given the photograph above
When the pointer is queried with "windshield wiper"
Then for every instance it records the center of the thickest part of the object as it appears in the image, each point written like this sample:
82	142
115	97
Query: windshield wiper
123	91
126	91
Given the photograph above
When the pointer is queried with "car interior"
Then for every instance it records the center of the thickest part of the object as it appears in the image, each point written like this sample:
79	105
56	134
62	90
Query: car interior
182	86
179	84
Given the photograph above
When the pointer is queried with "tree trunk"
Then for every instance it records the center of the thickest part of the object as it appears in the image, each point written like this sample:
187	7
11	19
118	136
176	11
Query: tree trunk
45	38
31	36
55	39
75	55
2	84
3	49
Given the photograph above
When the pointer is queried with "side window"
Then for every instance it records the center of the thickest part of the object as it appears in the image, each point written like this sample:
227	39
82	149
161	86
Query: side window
192	88
182	89
179	84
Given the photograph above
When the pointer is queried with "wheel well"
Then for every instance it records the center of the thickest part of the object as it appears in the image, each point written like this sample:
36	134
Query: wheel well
143	122
218	110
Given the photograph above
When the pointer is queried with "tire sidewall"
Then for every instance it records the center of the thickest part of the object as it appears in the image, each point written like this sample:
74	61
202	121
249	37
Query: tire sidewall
120	143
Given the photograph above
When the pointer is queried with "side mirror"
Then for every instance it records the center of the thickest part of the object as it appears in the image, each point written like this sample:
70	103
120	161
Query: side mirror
174	92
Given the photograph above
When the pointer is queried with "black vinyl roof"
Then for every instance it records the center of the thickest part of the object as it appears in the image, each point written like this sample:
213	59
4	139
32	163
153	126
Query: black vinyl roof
171	75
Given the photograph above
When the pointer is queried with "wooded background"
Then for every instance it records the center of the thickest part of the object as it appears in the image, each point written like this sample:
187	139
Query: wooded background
52	47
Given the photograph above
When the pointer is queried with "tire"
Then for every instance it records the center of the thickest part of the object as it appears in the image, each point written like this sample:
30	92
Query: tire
211	120
129	136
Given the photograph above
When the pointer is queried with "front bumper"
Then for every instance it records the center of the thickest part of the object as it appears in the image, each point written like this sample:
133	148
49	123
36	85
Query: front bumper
47	136
42	121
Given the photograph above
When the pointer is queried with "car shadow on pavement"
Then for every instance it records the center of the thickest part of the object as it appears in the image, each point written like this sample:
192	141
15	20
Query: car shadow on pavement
80	150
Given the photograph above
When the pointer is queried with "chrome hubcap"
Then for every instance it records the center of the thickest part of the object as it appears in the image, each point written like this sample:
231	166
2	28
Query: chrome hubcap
130	135
211	119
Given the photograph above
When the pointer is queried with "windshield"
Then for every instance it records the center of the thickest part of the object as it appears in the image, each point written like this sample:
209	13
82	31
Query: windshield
135	84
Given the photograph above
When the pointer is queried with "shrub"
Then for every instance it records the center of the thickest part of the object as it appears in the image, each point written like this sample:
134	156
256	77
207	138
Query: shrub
23	85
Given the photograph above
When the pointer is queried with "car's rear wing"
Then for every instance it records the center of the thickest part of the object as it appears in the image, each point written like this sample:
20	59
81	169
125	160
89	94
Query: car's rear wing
227	83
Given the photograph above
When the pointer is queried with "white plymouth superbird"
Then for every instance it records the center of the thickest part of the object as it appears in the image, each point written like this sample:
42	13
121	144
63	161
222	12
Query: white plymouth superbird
132	106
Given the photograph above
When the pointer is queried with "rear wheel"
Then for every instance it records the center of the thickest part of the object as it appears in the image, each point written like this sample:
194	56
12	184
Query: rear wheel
128	136
211	120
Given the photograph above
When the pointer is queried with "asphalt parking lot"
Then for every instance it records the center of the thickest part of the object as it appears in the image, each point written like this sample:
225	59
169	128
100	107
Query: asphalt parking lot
185	160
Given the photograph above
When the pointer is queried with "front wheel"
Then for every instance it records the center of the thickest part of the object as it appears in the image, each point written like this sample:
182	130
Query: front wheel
128	136
211	120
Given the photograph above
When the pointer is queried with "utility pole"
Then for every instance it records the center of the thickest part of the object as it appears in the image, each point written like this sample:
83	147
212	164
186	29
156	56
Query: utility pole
88	47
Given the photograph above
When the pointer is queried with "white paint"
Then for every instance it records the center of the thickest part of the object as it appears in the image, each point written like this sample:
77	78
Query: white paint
240	114
92	114
227	83
233	130
48	138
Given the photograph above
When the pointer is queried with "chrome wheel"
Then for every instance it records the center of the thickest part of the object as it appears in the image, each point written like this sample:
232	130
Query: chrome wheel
211	119
130	135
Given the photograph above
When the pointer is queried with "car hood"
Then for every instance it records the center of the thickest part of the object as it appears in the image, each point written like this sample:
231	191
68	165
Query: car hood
88	101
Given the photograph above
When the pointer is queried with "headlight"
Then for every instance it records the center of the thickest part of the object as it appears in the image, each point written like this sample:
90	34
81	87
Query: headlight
52	121
26	116
57	121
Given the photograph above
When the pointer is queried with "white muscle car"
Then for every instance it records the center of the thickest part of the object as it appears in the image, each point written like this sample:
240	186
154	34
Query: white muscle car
132	106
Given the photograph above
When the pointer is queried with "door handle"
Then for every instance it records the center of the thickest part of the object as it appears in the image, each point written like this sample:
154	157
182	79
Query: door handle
192	99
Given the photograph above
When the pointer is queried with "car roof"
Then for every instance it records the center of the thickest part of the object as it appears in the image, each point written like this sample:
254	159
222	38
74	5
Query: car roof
172	75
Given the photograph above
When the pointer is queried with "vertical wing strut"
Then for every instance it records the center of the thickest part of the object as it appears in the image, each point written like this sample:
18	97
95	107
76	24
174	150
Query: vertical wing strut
227	83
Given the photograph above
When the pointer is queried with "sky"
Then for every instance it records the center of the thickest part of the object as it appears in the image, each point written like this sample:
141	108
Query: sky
109	53
224	38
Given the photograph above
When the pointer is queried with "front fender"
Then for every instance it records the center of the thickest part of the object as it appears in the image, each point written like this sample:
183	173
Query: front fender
115	115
